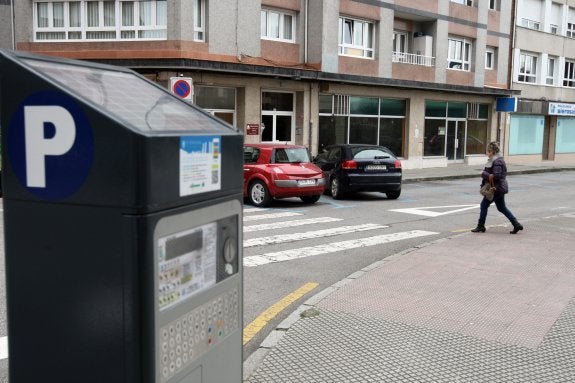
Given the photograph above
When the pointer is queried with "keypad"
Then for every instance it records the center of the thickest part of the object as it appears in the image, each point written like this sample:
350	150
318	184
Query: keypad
192	334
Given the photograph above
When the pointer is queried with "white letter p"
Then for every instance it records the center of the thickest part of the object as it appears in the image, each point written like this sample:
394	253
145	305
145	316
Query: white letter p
38	147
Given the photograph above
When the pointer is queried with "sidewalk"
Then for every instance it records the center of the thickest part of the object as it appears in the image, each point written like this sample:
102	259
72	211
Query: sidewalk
470	171
451	311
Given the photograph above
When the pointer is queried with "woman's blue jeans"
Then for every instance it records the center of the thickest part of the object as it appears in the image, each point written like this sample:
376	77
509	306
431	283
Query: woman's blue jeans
499	203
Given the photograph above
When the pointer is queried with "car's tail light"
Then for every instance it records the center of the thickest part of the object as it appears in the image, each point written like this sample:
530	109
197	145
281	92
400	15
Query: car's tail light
397	164
349	165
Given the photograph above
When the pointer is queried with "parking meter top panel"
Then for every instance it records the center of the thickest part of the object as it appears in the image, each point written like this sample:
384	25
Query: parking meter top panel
123	94
85	133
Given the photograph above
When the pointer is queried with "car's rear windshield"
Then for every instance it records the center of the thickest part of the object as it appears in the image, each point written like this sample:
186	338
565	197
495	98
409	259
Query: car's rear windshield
370	153
291	155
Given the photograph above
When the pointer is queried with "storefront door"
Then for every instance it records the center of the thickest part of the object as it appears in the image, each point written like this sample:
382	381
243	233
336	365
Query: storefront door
455	145
278	117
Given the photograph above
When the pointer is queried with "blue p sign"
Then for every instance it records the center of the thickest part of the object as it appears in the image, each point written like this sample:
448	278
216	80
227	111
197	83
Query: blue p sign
50	145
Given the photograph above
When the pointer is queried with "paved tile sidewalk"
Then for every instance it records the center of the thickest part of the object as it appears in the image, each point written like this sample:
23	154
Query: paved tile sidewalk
452	311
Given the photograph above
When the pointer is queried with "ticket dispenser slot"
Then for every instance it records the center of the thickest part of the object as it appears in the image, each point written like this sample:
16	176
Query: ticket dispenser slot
190	261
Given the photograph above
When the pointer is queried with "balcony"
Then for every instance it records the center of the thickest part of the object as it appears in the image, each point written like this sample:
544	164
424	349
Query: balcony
413	59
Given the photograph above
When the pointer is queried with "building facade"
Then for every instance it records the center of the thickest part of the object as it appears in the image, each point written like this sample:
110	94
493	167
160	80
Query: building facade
6	25
543	126
419	77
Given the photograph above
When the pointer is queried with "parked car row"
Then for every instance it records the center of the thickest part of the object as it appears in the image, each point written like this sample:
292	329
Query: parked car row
274	171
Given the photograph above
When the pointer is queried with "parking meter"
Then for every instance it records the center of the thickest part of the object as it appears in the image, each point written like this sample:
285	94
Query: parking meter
123	214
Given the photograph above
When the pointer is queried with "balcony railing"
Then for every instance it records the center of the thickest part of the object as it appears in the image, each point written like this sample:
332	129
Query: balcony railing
413	59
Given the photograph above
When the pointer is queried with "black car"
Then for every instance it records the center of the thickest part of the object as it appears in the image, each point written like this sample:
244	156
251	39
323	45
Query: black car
357	167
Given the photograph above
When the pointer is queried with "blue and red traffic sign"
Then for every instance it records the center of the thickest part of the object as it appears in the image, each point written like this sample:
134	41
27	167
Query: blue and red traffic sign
182	87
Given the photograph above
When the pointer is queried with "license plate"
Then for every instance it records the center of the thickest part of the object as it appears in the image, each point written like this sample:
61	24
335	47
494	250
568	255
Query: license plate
376	167
306	182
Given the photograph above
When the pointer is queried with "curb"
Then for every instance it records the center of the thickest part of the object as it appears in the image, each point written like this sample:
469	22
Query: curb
475	175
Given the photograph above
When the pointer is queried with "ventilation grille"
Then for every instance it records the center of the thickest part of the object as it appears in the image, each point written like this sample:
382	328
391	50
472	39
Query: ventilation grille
340	105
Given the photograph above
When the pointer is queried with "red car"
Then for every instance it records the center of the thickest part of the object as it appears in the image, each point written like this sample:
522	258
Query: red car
280	171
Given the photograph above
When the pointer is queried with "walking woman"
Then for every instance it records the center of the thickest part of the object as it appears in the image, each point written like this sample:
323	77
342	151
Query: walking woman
495	172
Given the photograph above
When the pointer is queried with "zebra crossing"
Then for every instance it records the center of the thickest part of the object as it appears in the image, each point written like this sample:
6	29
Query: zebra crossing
266	223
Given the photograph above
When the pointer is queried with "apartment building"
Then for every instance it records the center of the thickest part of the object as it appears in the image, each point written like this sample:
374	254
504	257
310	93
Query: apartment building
543	126
421	77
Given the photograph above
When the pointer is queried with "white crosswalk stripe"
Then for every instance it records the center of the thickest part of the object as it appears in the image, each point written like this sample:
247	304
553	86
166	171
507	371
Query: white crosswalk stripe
282	238
288	255
308	251
260	217
284	224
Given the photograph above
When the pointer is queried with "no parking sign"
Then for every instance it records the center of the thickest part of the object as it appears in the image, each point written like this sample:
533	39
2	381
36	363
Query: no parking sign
182	87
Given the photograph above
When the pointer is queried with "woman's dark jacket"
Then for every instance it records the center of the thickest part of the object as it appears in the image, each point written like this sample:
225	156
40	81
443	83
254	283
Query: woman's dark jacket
499	170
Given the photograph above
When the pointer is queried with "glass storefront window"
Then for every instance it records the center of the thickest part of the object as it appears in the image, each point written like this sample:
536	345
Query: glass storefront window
435	108
565	137
215	98
363	105
391	134
457	109
325	102
526	134
277	101
362	130
332	130
483	111
340	121
476	140
390	107
434	138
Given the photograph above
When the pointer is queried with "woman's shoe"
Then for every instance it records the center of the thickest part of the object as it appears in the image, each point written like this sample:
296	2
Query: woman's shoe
516	227
479	229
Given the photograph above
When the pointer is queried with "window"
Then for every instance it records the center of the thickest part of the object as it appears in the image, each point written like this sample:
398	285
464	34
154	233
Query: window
276	25
553	28
355	38
527	68
100	20
530	24
400	44
570	30
278	116
352	119
554	17
490	58
459	54
464	2
494	5
565	136
569	74
526	134
251	154
219	101
454	129
199	20
550	74
477	129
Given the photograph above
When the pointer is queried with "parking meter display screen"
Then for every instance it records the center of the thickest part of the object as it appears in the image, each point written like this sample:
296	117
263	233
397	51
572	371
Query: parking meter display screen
127	97
186	264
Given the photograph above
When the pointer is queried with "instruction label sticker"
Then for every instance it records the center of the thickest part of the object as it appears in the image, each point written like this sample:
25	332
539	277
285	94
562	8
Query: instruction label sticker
186	264
200	164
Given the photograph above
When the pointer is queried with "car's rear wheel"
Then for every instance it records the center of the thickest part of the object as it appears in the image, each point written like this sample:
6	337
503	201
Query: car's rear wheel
259	194
335	188
310	198
393	194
